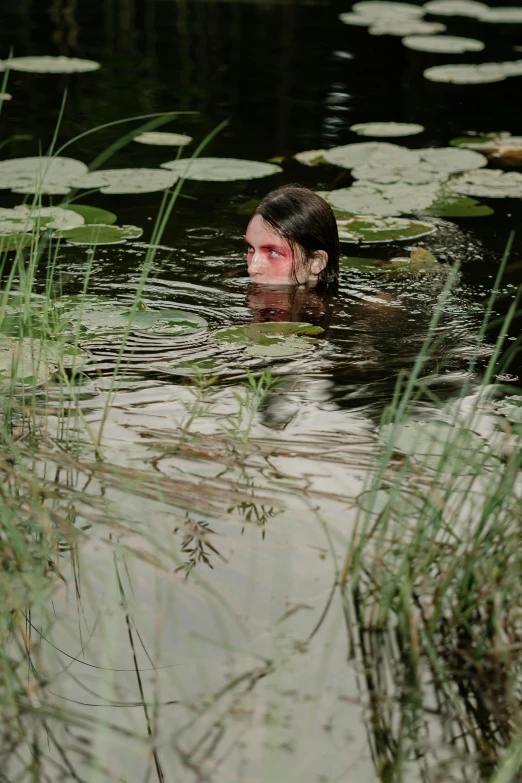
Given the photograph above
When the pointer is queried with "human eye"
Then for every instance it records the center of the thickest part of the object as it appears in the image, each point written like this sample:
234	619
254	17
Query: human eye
250	249
274	254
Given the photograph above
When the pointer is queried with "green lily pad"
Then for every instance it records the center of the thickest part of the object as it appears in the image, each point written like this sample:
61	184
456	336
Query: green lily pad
488	183
163	139
450	204
310	157
52	176
23	362
23	219
171	323
14	242
505	15
97	316
406	27
276	338
511	408
369	12
375	152
480	141
127	181
386	129
442	44
390	267
52	65
372	229
439	445
220	169
99	234
470	8
93	214
483	73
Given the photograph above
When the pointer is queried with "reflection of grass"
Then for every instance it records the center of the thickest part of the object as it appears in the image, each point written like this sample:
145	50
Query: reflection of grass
431	589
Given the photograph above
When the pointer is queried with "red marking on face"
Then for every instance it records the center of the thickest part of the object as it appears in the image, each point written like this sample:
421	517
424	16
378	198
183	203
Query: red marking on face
269	256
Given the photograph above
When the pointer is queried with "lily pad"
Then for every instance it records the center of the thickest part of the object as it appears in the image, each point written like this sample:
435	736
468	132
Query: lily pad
23	362
93	214
97	316
99	234
440	445
488	183
507	15
386	129
311	157
407	27
52	65
171	323
420	167
23	219
276	338
511	408
469	8
369	229
483	73
380	8
163	139
127	181
14	242
442	44
220	169
376	152
500	146
416	262
449	204
51	176
6	96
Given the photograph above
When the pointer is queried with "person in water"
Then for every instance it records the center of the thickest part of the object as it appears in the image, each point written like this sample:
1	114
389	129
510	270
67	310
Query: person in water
292	238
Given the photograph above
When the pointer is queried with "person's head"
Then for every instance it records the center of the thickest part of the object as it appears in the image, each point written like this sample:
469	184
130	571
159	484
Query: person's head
292	237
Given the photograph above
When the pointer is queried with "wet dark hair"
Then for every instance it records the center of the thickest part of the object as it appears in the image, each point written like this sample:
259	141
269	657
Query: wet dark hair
307	222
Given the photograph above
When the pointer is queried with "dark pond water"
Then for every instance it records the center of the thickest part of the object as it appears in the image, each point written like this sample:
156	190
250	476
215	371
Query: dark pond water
287	77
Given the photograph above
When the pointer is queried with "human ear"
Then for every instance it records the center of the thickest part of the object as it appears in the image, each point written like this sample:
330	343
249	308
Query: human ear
319	262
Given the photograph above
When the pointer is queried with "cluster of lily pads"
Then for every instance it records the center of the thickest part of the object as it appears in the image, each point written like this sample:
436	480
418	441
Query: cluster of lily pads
385	17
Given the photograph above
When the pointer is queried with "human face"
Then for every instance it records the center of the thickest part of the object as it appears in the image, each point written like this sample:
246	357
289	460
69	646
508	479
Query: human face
269	256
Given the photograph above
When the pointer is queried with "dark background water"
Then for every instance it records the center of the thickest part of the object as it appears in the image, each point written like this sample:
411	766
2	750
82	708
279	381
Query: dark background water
286	76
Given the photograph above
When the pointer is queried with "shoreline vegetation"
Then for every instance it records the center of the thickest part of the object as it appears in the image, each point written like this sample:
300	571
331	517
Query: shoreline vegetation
419	546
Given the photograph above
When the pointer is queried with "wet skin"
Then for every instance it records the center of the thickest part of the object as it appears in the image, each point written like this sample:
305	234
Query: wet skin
270	261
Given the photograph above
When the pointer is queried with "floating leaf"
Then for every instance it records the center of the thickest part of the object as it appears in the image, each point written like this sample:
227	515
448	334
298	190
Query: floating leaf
488	183
93	214
220	169
483	73
383	129
99	234
407	27
375	152
52	65
311	157
420	167
127	181
501	146
439	445
23	219
470	8
511	408
505	15
98	316
276	338
171	323
366	14
52	176
23	362
449	204
14	242
390	267
381	8
163	139
370	229
422	255
442	44
5	96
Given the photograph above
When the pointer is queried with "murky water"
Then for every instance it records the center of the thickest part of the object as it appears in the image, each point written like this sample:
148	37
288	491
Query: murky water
239	686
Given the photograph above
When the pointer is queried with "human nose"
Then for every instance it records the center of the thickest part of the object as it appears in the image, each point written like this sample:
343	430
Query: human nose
256	264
